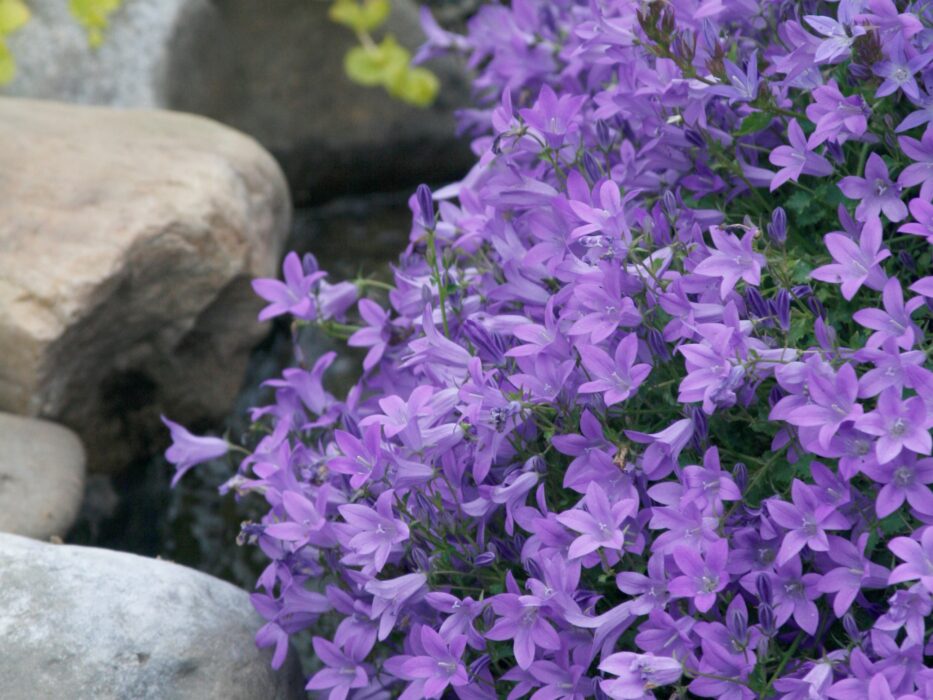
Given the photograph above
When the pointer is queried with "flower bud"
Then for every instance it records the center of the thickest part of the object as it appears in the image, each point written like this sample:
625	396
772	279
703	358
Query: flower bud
737	623
780	306
763	587
740	476
657	345
777	229
851	627
593	171
766	620
603	135
425	206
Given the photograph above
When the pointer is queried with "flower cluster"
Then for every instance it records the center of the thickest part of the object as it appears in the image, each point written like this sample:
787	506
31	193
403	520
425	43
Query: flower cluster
646	409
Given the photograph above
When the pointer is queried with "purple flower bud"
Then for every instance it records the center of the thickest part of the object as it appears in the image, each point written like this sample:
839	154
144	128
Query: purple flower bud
757	306
700	422
420	559
484	559
490	346
907	260
603	135
816	306
835	152
860	72
777	229
546	16
766	620
593	171
481	663
763	587
851	626
669	200
737	624
657	345
802	291
694	138
825	334
425	206
775	395
309	264
740	476
780	306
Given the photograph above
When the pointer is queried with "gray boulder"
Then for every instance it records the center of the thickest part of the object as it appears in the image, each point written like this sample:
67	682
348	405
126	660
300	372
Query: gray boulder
273	70
128	240
41	477
91	624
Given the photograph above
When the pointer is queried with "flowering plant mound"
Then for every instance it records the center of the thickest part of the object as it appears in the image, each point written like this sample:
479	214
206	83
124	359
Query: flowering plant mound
647	411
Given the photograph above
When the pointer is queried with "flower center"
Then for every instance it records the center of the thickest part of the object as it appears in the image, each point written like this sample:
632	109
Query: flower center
898	427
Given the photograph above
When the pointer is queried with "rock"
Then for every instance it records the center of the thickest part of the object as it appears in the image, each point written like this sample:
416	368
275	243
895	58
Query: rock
277	74
128	240
273	70
41	477
92	624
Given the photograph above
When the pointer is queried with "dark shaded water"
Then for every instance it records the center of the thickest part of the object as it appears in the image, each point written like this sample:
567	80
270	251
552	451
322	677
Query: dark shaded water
192	525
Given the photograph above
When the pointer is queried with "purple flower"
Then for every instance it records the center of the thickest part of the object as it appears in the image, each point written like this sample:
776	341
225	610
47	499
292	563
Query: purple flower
917	557
701	577
876	191
806	521
837	118
898	425
832	403
598	525
553	116
732	260
291	297
894	322
616	378
922	225
391	596
372	533
187	450
374	336
853	573
920	172
522	620
797	159
362	459
837	44
638	674
440	666
343	671
898	74
855	265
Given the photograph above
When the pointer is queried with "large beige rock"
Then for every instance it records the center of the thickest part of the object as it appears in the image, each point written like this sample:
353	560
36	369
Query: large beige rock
90	624
127	243
41	477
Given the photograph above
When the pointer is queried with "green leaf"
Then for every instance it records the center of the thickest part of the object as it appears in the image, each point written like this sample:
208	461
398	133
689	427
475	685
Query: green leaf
416	86
377	65
360	17
753	123
13	15
94	16
7	65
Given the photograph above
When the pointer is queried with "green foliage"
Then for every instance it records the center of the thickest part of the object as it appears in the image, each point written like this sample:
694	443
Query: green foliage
13	15
387	63
94	16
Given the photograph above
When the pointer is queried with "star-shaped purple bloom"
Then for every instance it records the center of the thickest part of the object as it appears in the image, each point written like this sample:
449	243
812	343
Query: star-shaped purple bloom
599	524
188	450
894	322
920	172
898	424
343	671
616	378
876	191
917	558
732	259
701	577
372	533
922	212
903	479
796	159
855	264
806	520
293	296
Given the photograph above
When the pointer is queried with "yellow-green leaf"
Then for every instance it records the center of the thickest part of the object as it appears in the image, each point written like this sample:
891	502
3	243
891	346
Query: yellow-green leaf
7	65
417	86
94	16
360	17
13	15
377	65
